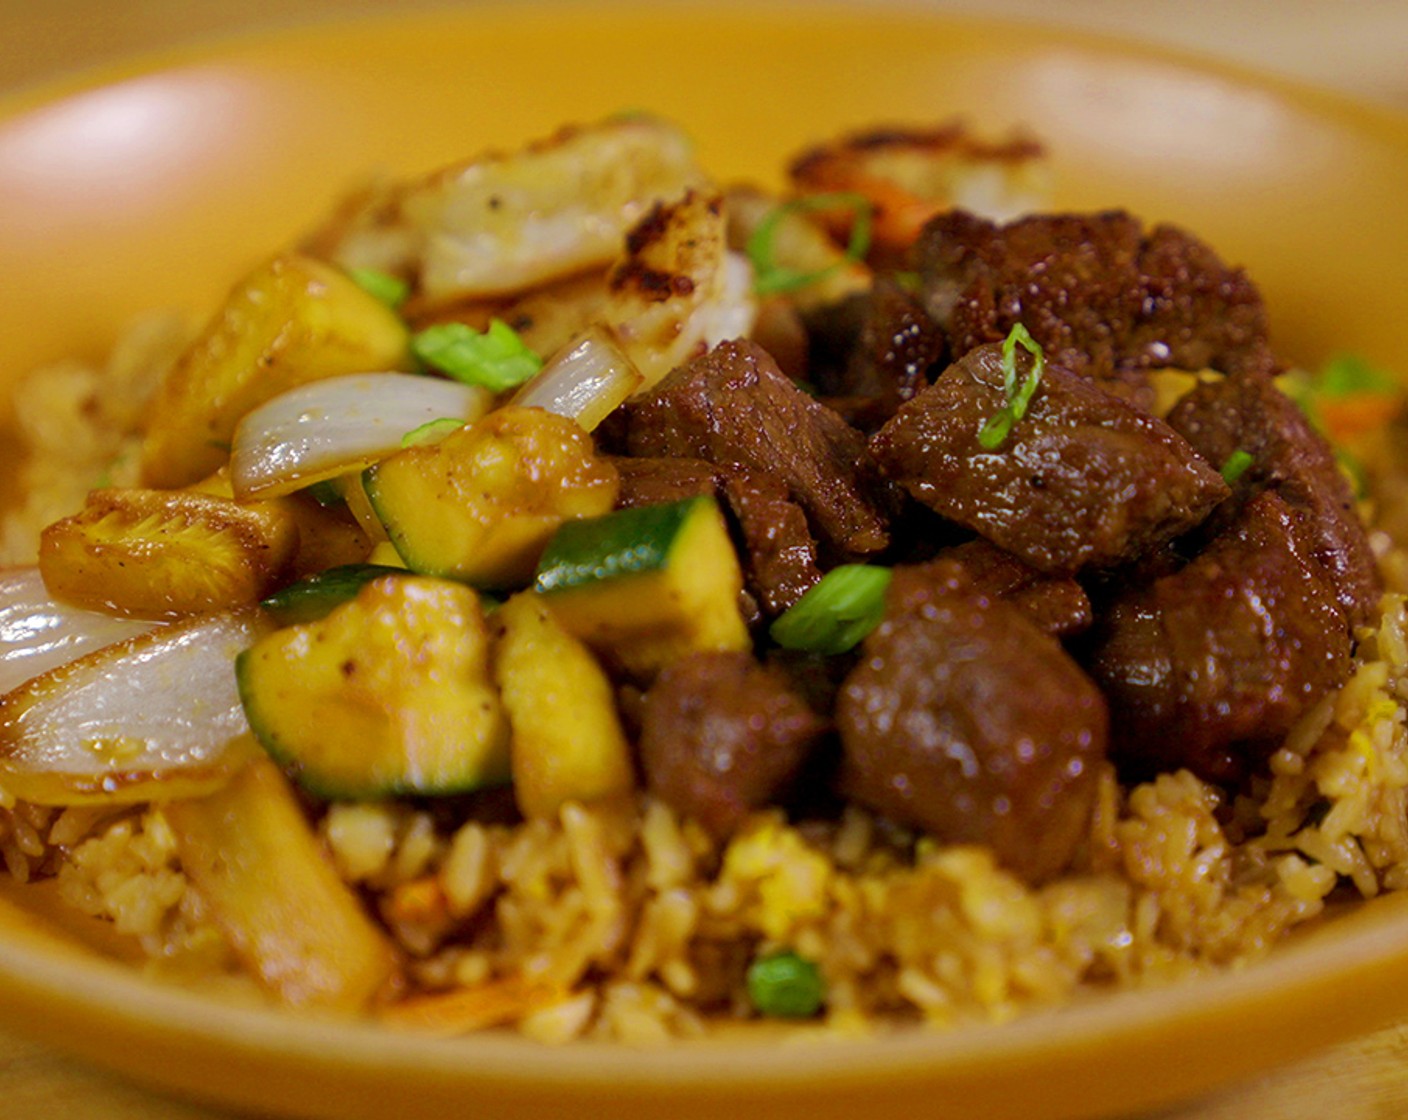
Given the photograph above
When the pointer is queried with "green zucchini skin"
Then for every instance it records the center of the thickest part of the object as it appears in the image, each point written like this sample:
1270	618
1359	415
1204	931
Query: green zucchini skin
624	543
313	598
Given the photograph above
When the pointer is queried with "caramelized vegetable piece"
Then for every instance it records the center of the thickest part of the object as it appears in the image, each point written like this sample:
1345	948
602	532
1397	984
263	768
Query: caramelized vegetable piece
292	321
250	852
481	504
146	719
567	739
159	554
648	585
389	694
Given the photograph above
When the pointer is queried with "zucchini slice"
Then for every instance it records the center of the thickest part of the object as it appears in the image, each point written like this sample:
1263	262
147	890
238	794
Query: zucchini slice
568	744
480	505
389	695
648	585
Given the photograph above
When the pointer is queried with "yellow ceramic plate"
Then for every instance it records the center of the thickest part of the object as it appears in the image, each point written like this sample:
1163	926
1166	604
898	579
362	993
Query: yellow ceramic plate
158	185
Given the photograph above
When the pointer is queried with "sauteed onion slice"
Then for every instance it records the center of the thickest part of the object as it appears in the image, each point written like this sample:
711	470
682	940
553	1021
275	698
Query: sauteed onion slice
143	719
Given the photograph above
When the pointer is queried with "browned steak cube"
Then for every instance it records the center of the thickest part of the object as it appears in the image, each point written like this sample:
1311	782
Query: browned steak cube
1104	299
1056	604
1288	456
1209	668
965	720
898	346
1083	480
734	406
722	735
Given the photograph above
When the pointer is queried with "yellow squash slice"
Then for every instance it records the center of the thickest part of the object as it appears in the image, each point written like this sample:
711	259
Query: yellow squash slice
292	321
567	740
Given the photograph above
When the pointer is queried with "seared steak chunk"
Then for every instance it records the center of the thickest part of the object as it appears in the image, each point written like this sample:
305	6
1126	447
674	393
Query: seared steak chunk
898	346
1209	668
1288	456
734	406
1104	299
965	720
1082	480
722	735
779	554
1056	604
649	481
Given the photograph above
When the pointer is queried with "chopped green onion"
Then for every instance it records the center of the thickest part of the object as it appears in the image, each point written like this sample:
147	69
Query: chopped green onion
1236	465
834	615
496	358
391	290
785	986
995	432
771	278
432	431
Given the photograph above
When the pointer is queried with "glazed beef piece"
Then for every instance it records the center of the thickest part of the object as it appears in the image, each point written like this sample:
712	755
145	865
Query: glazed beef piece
1102	297
1056	604
733	406
1082	480
652	480
898	345
722	735
1209	668
965	720
779	554
1288	456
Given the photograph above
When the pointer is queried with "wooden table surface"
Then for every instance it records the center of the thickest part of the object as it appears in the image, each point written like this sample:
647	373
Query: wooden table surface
1358	45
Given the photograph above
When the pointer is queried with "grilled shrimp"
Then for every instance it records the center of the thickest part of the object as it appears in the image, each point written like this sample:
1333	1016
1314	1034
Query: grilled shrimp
678	290
909	175
503	223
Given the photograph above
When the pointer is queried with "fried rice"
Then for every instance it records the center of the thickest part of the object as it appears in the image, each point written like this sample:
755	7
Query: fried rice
629	922
634	924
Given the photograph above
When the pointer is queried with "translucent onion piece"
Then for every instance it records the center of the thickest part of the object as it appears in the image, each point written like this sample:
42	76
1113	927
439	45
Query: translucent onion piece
38	633
584	381
330	427
148	718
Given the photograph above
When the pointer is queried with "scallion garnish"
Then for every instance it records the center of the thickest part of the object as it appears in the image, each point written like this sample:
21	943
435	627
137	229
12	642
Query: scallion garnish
496	358
835	614
391	290
771	278
999	426
1236	465
785	986
432	431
